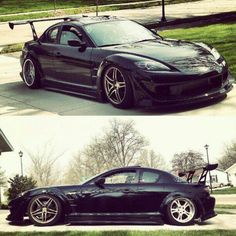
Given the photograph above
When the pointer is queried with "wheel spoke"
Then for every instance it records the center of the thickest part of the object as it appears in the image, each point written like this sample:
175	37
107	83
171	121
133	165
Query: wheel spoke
39	203
111	91
48	203
36	212
109	80
52	211
121	84
114	74
117	95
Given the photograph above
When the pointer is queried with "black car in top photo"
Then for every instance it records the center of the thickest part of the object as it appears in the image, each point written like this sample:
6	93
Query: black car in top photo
120	61
128	195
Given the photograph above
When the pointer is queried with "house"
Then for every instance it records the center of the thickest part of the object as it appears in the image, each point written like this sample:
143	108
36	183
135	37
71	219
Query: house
219	178
232	174
5	146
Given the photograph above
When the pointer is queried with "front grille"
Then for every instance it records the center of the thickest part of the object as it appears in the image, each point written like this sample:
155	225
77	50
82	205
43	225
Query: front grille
188	89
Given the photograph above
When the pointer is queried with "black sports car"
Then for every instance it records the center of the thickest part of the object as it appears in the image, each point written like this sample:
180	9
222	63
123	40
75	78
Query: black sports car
121	61
123	195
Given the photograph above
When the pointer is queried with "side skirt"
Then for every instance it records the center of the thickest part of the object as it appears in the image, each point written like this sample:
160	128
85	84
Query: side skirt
115	218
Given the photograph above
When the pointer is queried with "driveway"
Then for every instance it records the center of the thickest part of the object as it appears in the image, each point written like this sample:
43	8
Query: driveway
222	221
17	99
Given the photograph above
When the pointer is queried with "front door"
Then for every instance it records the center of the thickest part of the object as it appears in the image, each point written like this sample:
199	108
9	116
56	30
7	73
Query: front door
116	195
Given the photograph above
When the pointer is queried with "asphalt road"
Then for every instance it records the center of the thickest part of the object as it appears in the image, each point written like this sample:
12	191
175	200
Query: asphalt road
17	99
222	221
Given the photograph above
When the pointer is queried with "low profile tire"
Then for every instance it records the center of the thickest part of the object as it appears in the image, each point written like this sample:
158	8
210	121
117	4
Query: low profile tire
117	87
30	73
44	210
181	211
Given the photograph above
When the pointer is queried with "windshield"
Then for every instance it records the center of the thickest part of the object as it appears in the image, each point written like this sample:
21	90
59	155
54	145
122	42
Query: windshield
118	32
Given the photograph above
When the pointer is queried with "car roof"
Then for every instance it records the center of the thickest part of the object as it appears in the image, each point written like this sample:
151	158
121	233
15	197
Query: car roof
86	20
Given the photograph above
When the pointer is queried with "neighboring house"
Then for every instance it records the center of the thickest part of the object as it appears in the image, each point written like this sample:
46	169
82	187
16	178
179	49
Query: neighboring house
3	198
219	178
5	146
232	174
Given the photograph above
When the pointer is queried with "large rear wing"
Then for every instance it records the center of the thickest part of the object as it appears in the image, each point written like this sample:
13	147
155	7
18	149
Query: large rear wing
202	172
31	23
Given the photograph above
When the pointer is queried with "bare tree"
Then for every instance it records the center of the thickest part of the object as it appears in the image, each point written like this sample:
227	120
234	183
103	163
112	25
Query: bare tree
120	145
149	158
76	171
187	160
229	156
43	164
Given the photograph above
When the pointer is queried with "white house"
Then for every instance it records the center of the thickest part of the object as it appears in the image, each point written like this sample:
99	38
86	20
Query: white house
219	178
5	146
232	174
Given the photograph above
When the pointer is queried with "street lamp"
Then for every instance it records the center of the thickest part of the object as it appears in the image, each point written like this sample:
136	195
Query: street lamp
21	162
97	3
207	147
163	19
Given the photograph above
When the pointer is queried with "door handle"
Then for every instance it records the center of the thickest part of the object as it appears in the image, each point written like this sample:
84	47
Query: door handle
127	190
58	54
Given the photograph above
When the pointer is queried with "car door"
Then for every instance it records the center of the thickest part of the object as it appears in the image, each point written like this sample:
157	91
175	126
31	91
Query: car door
72	65
46	50
151	191
116	195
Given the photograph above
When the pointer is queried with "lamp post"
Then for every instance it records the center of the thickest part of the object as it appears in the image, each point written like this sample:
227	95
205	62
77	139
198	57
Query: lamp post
21	162
208	162
163	19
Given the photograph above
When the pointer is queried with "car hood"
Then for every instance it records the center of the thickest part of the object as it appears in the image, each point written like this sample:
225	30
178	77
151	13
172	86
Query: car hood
185	56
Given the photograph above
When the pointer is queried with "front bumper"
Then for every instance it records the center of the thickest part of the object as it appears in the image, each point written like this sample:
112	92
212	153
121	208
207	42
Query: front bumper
176	88
17	208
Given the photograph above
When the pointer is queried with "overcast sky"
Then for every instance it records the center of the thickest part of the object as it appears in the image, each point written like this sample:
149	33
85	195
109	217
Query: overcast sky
166	135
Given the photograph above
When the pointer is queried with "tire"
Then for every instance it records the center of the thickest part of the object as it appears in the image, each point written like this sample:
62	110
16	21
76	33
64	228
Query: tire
30	73
181	211
44	210
117	87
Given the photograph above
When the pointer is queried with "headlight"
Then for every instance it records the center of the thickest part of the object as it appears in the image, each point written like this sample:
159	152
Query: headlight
215	53
151	66
22	194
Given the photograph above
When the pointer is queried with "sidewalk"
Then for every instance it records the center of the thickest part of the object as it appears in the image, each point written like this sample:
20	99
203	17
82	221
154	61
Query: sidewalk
146	15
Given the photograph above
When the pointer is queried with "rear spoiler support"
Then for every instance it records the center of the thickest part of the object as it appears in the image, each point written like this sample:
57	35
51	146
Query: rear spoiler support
202	179
31	23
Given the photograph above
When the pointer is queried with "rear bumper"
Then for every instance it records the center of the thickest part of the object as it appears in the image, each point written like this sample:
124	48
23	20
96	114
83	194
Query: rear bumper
208	205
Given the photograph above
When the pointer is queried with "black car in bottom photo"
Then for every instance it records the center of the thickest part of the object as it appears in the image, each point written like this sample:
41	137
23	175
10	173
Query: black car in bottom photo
129	195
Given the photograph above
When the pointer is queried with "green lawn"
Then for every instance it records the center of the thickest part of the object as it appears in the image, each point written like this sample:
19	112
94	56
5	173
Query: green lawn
20	6
129	233
226	206
231	190
221	36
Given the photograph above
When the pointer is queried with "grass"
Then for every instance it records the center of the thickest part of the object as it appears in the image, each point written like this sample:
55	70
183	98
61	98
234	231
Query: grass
225	206
128	233
222	37
231	190
66	7
22	6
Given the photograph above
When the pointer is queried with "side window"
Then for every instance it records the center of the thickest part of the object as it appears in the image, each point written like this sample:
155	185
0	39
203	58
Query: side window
149	177
51	36
69	33
121	178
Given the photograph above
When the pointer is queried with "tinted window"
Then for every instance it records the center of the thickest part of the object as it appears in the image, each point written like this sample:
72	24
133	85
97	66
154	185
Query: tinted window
121	178
149	177
51	36
69	33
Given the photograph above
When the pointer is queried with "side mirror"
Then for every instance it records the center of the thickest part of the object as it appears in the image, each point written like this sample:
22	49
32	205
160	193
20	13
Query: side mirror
100	182
76	43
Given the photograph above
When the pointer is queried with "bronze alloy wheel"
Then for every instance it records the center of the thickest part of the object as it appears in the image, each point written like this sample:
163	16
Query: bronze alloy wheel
44	210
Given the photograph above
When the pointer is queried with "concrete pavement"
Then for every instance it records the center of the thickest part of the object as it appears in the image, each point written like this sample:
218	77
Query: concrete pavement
17	99
223	199
146	15
221	221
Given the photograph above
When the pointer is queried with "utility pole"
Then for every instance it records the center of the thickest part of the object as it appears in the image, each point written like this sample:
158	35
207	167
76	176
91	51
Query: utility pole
163	19
21	162
97	4
206	147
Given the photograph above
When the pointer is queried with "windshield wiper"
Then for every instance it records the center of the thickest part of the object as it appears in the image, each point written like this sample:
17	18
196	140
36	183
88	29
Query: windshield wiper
112	44
145	40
